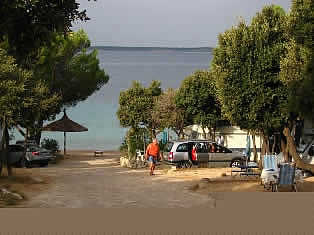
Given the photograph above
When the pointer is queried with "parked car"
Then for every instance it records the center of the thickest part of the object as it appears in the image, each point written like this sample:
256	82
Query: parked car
16	154
19	156
24	143
180	154
37	155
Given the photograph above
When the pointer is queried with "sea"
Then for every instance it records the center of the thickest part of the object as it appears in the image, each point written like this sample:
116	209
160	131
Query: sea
124	65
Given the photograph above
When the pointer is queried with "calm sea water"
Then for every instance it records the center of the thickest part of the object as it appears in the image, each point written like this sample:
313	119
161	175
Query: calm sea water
98	112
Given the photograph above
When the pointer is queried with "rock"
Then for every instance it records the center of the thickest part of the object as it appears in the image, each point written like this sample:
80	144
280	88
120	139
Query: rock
7	194
122	163
16	196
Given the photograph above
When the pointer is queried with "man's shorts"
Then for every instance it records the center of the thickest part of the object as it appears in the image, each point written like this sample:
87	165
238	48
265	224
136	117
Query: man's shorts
152	159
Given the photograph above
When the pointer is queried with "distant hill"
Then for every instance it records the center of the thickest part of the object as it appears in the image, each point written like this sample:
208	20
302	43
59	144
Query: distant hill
115	48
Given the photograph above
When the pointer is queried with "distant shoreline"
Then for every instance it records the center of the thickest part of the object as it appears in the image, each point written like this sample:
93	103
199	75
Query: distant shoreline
184	49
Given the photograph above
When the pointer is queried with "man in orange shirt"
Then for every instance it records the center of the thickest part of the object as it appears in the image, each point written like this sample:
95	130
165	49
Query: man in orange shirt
152	155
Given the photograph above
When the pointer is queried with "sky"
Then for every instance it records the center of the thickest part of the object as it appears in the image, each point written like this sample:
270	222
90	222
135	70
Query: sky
165	23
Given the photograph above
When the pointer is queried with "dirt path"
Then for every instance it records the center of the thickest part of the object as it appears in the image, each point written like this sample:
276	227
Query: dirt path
85	182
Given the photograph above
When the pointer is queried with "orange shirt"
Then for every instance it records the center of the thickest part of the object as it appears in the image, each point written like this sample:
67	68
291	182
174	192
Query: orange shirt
152	150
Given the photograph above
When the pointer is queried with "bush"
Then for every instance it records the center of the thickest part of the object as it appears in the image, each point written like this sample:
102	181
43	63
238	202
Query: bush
50	144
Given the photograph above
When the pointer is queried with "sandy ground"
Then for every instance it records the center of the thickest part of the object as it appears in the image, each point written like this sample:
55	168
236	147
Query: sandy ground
83	181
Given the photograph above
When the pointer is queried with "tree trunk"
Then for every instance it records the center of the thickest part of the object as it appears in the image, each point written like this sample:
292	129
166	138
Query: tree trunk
284	150
7	140
264	150
20	130
204	133
292	150
254	148
38	131
214	136
274	144
2	156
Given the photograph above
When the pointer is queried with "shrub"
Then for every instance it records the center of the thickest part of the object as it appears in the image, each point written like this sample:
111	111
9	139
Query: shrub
50	144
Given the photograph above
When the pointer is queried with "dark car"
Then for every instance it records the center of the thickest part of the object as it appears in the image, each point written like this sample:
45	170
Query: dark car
19	156
16	154
36	155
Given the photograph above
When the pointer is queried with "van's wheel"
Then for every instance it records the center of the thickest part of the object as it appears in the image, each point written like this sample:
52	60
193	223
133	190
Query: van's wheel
188	164
236	162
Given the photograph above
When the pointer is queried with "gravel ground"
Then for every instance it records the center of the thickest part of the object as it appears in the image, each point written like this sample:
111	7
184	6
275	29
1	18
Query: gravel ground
81	181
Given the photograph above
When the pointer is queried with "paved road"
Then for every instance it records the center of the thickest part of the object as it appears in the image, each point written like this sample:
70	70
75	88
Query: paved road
103	183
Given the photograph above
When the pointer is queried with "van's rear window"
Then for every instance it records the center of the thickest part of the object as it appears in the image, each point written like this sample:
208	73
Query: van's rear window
169	147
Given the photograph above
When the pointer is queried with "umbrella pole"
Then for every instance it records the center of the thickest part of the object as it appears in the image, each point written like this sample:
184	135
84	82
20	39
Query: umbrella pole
64	143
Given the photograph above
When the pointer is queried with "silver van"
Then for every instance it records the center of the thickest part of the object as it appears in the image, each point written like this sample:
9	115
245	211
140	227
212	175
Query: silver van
179	153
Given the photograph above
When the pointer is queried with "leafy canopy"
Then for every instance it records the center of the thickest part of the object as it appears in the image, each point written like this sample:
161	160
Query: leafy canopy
197	96
297	66
246	65
136	105
70	70
29	24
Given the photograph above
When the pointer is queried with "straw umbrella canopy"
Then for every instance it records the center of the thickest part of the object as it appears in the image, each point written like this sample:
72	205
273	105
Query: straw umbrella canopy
64	125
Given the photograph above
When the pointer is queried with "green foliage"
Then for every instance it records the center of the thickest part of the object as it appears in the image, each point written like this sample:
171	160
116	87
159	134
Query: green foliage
65	74
50	144
301	22
69	69
246	65
13	80
124	146
297	65
28	25
136	105
198	98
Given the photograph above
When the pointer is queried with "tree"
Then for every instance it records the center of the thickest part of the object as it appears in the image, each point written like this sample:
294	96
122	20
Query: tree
297	70
166	114
246	67
12	102
26	27
29	24
70	72
136	105
197	96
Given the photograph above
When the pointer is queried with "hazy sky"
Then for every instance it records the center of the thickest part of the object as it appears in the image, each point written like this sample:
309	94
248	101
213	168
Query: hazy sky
172	23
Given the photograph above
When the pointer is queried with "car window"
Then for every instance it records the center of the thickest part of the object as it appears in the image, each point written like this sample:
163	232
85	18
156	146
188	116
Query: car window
182	147
226	150
221	149
202	147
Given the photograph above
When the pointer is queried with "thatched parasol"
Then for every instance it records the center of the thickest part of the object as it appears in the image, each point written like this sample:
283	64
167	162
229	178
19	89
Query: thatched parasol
64	125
